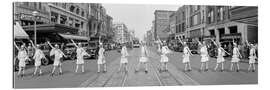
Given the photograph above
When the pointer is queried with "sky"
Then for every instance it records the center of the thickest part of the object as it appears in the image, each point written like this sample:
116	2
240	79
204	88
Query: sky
137	17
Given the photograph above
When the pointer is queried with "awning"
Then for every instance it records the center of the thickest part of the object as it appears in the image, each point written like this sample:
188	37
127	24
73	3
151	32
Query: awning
19	33
74	37
51	28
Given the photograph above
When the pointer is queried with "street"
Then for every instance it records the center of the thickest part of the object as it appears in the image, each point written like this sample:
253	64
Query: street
112	78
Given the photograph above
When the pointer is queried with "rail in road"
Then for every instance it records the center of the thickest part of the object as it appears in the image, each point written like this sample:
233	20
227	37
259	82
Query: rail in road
113	78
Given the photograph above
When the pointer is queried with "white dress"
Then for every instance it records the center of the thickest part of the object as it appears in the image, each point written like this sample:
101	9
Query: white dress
22	56
220	57
38	56
164	51
186	55
204	54
235	57
252	56
124	55
143	57
57	55
80	53
101	57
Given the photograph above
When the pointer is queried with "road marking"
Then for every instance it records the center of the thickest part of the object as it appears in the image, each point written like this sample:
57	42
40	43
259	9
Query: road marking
156	74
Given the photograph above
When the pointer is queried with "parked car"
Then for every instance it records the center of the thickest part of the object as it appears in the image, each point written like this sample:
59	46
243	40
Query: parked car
136	45
92	49
70	51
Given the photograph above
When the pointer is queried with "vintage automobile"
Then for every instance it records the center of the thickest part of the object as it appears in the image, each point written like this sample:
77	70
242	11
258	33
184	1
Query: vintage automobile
92	49
70	51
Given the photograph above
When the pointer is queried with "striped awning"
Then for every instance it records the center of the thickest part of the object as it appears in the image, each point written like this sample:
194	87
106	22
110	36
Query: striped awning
19	33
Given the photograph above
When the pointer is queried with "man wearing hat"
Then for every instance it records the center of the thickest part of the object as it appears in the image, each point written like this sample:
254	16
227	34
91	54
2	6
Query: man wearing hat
58	54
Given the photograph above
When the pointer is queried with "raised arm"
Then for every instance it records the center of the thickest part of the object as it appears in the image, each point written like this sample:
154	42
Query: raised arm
180	41
33	44
74	43
50	44
214	42
16	46
199	42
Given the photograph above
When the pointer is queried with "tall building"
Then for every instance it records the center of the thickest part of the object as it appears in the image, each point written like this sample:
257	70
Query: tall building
161	24
195	20
122	35
180	16
172	25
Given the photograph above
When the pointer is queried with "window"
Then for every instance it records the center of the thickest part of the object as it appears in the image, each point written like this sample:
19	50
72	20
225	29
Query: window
63	19
40	6
233	29
77	11
64	5
82	13
26	3
71	8
54	17
183	27
221	31
35	5
220	14
70	22
82	24
212	32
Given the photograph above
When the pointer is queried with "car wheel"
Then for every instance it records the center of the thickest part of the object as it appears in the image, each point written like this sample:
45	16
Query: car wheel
45	62
73	57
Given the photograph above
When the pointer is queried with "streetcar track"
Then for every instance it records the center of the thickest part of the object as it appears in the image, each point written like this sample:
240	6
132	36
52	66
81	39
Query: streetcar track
157	76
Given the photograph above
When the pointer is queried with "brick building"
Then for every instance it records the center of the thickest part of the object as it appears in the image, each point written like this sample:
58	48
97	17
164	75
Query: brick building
161	23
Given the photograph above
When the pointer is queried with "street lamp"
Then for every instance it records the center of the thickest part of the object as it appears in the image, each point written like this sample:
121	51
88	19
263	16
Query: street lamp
35	27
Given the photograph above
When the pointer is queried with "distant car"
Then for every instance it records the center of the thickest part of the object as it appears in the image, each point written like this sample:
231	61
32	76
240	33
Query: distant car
136	45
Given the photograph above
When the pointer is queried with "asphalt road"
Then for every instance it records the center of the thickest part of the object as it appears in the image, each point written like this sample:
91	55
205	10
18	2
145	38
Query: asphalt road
174	77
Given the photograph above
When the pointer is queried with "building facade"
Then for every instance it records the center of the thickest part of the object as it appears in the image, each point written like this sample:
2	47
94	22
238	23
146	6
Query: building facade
172	25
122	35
161	24
180	31
70	14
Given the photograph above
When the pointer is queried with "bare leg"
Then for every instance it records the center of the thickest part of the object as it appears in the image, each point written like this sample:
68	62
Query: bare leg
53	69
20	70
23	70
82	67
35	70
254	68
185	66
216	66
249	67
189	65
77	67
166	66
201	69
126	67
238	68
222	66
231	66
40	70
146	66
60	69
99	67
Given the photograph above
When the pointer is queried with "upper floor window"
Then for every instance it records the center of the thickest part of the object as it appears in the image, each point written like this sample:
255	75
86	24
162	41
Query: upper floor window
77	11
83	13
71	8
210	15
64	5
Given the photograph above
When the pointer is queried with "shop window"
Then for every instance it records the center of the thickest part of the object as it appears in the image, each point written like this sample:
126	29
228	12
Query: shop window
82	24
63	19
54	17
221	31
212	32
233	29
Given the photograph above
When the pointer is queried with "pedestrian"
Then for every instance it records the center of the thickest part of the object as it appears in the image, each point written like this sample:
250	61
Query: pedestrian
23	57
124	60
204	56
37	57
235	57
164	59
186	55
101	58
252	57
58	54
220	57
80	53
30	50
143	59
